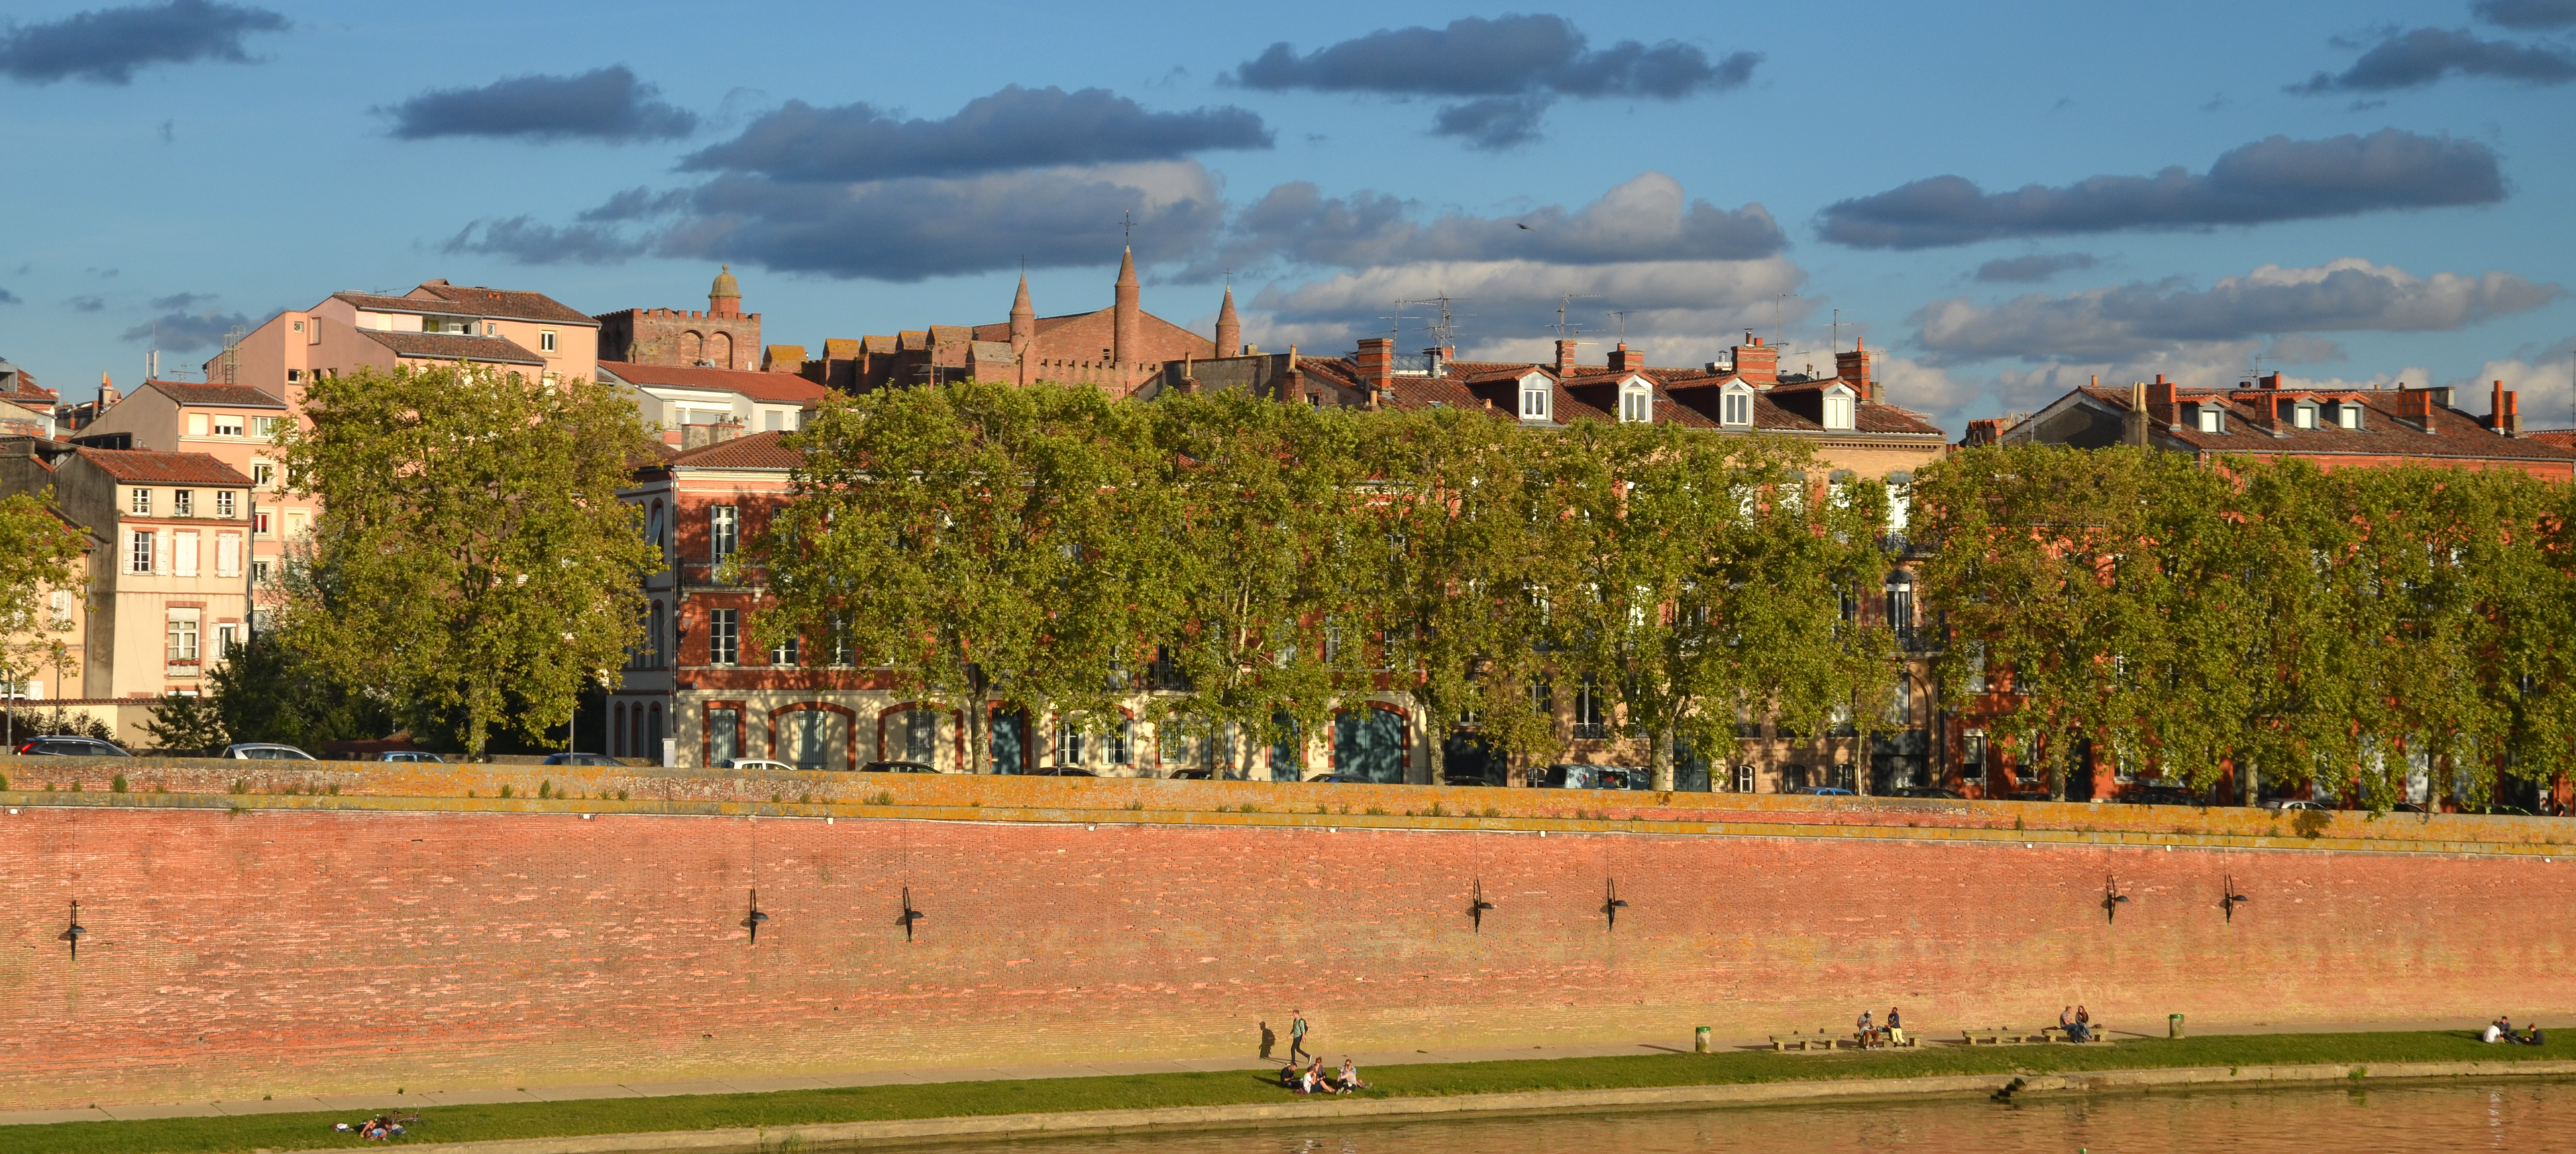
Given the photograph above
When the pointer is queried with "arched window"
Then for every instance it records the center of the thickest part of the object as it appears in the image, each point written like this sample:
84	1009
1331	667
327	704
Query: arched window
653	637
653	525
692	347
653	733
1900	602
617	730
720	350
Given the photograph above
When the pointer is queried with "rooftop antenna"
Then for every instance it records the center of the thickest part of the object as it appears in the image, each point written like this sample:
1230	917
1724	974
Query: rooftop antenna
1622	314
1776	298
1396	322
1838	330
1566	329
1442	328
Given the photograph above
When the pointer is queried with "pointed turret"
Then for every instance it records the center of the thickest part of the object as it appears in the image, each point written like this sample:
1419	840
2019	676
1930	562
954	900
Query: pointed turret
1024	317
1229	331
1126	342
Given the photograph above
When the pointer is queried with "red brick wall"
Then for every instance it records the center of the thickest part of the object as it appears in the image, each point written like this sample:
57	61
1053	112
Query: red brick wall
277	951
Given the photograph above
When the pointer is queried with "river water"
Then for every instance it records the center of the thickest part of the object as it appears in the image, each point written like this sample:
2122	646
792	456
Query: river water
2504	1115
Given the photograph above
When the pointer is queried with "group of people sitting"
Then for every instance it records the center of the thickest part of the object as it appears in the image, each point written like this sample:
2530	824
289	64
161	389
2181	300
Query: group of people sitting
2501	1030
1313	1079
1871	1034
2077	1022
378	1128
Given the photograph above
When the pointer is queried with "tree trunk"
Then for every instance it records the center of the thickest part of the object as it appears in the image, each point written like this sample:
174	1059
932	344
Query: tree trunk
1662	758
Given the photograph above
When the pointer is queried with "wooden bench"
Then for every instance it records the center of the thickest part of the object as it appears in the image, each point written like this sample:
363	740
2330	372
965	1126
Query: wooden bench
1800	1041
2057	1034
1999	1037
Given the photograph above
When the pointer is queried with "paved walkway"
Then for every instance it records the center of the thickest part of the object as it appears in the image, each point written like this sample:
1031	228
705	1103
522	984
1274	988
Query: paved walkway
357	1105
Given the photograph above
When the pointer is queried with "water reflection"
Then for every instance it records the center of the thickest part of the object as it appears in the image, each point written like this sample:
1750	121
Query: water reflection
2514	1115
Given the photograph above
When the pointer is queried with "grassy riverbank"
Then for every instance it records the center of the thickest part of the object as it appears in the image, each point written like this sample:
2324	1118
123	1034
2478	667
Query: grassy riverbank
285	1132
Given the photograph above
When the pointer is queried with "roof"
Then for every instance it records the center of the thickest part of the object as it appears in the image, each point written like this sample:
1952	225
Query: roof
771	388
227	396
1688	397
2449	434
454	347
508	304
152	467
753	451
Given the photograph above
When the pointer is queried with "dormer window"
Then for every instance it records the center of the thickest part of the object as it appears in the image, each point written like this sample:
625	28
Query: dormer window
2303	415
1636	404
1535	398
2347	414
2213	419
1841	407
1735	406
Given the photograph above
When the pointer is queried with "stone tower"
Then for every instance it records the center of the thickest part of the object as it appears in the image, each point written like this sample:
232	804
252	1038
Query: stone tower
724	298
1024	318
1125	341
1229	331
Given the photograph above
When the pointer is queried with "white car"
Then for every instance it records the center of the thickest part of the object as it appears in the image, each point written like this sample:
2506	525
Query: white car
753	763
266	751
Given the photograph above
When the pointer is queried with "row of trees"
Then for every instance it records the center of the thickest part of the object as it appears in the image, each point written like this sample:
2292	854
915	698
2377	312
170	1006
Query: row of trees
1052	551
2380	631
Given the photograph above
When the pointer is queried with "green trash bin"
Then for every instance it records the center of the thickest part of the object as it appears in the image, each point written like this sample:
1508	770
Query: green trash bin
2173	1025
1700	1042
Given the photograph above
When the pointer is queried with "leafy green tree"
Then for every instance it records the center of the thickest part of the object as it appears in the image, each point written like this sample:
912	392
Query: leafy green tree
267	691
39	554
187	724
472	554
984	546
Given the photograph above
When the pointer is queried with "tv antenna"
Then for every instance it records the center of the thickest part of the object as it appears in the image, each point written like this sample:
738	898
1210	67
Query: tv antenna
1838	330
1566	329
1396	322
1776	298
1622	314
1445	324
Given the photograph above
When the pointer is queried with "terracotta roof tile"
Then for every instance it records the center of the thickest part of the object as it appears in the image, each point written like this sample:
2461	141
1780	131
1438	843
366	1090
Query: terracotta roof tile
509	304
228	396
772	388
754	451
454	347
2450	434
151	467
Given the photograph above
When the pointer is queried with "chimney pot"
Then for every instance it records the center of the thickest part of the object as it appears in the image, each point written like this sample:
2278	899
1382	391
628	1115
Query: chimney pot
1564	357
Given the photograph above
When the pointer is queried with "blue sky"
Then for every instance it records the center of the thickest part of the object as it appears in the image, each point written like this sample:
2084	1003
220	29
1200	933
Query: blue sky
2352	192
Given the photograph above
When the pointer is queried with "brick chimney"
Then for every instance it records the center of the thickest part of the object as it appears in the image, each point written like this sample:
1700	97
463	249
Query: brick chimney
2504	411
1376	361
2415	405
1624	361
1853	369
2164	402
1565	358
1757	363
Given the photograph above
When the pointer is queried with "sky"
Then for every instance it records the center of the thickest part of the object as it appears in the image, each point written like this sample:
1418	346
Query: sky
2003	199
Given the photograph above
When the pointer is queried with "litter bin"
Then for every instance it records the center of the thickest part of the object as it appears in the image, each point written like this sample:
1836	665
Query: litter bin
1699	1041
2173	1025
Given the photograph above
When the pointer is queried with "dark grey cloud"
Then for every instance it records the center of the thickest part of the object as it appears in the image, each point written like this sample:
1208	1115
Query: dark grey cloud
2134	319
107	45
10	298
2269	180
2527	13
1015	128
180	300
2424	55
1509	67
180	331
603	104
528	241
87	304
637	204
2034	268
1648	218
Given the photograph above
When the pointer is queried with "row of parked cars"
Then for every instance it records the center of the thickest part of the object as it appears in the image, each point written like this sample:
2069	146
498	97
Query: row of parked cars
64	745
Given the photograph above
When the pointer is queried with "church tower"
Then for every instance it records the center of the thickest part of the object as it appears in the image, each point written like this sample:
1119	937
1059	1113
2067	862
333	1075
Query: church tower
1125	341
1229	331
1024	318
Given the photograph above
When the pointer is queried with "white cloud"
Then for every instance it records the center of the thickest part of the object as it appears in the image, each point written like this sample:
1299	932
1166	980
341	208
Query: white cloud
2548	394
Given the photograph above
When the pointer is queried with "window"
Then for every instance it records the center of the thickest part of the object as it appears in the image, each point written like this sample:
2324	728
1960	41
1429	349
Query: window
259	523
546	341
1976	667
772	421
62	608
138	557
139	502
783	654
2212	419
2304	416
1068	745
259	572
226	639
724	532
1839	409
1900	602
264	428
227	554
653	637
1737	407
653	525
1972	755
1744	778
1591	721
915	733
724	636
263	475
185	553
196	424
228	425
724	734
2348	415
183	637
223	503
183	502
1637	406
1534	399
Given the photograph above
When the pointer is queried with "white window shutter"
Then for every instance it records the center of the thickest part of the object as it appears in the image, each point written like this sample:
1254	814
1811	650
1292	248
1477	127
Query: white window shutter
228	555
161	551
187	554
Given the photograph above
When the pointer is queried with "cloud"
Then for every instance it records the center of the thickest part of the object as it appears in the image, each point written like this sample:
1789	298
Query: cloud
603	104
181	332
528	241
1509	67
638	204
87	304
105	46
1648	218
2136	319
2528	14
2032	269
1015	128
2273	179
1515	301
180	300
2542	376
10	298
2424	55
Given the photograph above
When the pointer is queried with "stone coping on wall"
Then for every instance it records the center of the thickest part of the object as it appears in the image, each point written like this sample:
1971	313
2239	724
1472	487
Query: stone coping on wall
197	783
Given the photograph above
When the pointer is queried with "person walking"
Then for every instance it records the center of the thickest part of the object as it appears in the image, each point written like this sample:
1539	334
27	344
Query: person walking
1297	1035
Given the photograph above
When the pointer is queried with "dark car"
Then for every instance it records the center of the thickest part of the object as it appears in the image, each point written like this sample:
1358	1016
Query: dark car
1930	791
1338	779
580	759
1822	791
2160	795
1061	771
420	755
1189	775
68	746
896	767
2028	795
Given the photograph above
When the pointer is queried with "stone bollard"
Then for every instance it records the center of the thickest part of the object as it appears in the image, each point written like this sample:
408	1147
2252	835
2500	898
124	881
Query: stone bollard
2173	1025
1700	1043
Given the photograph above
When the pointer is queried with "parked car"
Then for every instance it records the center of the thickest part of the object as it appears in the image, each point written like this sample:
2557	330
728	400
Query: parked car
409	755
2160	795
1052	771
1822	791
752	763
896	767
2407	807
1930	791
266	751
68	746
2287	803
580	759
1189	775
1570	776
1338	779
2028	795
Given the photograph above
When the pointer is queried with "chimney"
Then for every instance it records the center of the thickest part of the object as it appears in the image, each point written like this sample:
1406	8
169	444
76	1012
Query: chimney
2136	423
2164	402
1436	359
1757	363
2441	395
1565	358
1376	361
1853	368
2504	411
2415	405
2268	381
107	394
1624	361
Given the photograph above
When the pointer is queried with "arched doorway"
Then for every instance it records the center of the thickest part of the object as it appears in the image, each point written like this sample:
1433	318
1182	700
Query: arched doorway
1368	744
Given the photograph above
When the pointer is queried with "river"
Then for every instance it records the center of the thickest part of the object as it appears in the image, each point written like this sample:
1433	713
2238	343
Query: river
2504	1115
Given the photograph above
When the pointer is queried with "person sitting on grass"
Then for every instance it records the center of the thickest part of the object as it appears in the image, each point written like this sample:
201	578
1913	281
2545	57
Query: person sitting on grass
1323	1081
2531	1036
1288	1076
1350	1078
2497	1030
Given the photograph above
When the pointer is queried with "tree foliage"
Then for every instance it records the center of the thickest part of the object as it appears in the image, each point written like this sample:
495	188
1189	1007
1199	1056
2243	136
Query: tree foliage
472	554
39	554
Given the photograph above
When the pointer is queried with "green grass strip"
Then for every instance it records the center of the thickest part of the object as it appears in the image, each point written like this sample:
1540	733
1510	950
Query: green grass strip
283	1132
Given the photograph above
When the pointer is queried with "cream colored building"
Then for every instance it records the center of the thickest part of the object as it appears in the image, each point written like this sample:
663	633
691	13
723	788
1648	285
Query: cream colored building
434	324
235	424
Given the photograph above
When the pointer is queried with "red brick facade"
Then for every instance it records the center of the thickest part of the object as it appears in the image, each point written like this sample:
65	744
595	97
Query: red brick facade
722	337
